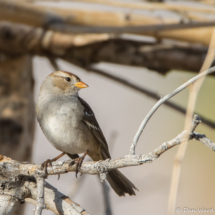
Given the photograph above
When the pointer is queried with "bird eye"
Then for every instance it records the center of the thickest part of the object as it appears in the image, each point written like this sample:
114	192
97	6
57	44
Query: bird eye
68	79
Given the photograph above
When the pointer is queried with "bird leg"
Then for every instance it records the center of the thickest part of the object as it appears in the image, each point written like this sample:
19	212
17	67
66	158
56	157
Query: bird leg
45	163
79	161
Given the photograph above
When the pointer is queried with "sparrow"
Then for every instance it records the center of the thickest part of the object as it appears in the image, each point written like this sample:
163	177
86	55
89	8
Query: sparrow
71	127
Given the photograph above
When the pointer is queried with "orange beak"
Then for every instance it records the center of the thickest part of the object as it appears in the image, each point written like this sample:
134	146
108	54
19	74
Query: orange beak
81	84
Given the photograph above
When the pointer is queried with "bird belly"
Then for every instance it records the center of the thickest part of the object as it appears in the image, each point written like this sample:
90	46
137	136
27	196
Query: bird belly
67	135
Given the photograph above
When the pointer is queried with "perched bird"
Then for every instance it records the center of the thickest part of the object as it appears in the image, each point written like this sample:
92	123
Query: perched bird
70	125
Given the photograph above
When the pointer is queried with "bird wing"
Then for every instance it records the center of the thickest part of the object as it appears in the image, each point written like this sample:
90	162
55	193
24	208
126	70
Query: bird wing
90	121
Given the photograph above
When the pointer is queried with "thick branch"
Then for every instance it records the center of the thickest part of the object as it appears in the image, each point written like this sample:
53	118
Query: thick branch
83	50
37	15
12	194
26	13
13	168
8	204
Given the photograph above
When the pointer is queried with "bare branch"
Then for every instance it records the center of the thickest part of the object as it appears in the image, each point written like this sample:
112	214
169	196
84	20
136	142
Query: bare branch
203	139
62	205
40	195
15	168
12	193
8	204
161	101
56	201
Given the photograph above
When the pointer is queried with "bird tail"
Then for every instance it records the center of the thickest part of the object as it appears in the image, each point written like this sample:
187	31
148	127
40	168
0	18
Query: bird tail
120	183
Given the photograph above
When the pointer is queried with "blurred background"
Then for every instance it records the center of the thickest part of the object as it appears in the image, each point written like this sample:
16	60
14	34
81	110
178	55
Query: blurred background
130	53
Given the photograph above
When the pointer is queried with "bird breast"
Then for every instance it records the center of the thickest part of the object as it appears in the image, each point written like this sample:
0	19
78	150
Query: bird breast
62	126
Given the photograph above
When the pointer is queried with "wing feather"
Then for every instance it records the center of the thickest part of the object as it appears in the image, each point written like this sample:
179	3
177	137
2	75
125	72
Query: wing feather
90	121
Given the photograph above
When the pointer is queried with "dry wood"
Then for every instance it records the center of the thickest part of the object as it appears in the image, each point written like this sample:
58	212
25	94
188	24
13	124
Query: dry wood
83	50
26	13
103	18
146	5
11	168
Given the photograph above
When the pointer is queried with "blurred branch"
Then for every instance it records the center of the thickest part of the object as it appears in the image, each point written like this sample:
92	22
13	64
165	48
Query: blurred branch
143	29
83	50
21	39
28	14
148	92
17	114
156	25
16	39
106	195
147	6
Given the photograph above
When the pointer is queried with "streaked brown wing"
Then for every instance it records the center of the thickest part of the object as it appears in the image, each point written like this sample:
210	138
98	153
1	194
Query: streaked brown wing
90	121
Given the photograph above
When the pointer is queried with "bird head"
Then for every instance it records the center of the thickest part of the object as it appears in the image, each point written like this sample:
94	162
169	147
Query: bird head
61	82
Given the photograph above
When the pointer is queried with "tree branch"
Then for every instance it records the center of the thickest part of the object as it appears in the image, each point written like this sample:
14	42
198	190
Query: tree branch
55	200
15	168
40	195
84	50
161	101
59	203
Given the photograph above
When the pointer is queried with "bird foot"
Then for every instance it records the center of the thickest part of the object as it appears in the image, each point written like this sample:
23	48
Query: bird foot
49	162
79	162
45	164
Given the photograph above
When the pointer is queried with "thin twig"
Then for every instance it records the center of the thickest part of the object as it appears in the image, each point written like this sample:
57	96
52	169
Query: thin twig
40	195
147	92
203	139
53	62
161	101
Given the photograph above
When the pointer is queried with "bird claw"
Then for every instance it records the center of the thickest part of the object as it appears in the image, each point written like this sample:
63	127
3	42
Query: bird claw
45	164
79	162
